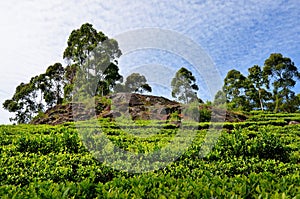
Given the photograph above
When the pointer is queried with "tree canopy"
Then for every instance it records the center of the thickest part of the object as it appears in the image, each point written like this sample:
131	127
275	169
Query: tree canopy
135	83
184	86
92	68
265	88
94	57
282	76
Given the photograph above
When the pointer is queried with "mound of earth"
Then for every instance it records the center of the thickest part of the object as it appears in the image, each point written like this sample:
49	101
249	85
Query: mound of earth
63	113
140	107
221	115
129	105
135	106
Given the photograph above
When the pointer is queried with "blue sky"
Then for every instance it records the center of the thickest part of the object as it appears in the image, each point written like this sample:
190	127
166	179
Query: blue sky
234	34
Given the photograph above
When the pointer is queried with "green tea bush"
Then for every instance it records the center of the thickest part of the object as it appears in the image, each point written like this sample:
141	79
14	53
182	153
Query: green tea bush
252	160
263	145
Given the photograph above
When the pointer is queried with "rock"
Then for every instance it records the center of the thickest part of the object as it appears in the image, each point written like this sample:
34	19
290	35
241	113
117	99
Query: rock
293	122
111	114
130	105
135	106
143	107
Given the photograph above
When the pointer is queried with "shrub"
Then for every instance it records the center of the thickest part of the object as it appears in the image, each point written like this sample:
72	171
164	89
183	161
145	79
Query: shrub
197	113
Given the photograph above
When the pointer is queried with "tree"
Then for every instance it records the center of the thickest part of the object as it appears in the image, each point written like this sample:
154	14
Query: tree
29	99
69	77
110	78
50	85
23	103
96	57
184	87
292	105
296	102
92	65
136	83
54	76
282	75
258	82
220	98
235	88
82	42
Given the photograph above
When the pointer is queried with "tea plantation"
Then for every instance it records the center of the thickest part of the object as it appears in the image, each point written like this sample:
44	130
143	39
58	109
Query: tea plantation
259	158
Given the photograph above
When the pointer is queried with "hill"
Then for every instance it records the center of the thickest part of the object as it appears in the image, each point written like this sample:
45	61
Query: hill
135	106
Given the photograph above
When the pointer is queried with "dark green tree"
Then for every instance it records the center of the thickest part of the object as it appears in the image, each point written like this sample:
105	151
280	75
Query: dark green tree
96	57
136	83
298	102
282	75
109	80
31	98
184	86
235	88
292	105
257	91
82	42
49	85
69	77
54	77
23	103
220	98
92	58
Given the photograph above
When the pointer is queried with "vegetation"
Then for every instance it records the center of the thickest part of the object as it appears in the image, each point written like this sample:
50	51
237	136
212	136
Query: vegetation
134	83
250	161
255	158
30	98
92	70
183	86
266	88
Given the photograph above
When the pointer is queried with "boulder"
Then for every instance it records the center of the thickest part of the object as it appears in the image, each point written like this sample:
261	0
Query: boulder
294	122
130	105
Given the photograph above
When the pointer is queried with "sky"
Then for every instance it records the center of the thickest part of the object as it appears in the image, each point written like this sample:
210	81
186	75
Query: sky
233	34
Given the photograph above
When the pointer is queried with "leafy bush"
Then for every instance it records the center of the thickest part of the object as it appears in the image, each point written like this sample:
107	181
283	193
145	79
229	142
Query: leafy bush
263	145
101	103
250	161
197	113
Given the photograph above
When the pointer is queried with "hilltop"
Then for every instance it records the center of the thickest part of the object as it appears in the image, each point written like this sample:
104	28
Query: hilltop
135	106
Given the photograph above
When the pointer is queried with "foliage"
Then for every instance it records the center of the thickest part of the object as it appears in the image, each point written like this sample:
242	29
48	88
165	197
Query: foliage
265	88
220	99
235	88
92	70
69	76
249	161
102	103
134	83
183	86
23	103
197	112
51	84
282	76
258	84
95	56
30	99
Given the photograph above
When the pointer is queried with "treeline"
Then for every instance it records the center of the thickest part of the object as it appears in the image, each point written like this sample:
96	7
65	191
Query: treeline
267	87
92	70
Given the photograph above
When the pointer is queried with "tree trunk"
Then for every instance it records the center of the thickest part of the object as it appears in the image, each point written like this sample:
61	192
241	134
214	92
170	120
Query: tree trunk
276	104
260	101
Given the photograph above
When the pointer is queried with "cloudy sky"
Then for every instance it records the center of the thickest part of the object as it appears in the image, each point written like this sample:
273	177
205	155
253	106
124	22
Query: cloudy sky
232	33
